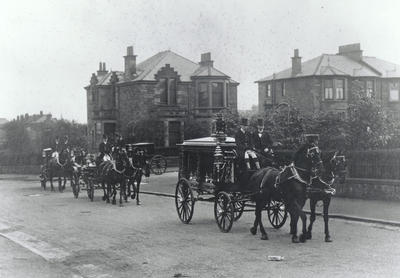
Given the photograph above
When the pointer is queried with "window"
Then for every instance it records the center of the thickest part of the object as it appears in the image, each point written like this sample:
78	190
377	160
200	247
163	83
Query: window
203	95
369	88
394	92
168	91
283	88
328	89
217	94
98	128
269	90
339	87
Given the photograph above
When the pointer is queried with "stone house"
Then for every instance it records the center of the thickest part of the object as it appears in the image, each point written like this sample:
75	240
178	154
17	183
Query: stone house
166	87
324	83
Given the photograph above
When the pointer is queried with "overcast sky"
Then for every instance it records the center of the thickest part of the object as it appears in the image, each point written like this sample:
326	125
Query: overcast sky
48	49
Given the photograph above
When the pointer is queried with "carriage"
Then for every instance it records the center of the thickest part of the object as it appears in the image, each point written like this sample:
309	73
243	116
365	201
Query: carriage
210	171
158	163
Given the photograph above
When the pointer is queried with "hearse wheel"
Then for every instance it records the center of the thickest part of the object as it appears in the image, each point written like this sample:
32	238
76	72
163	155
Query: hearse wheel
184	201
277	213
224	211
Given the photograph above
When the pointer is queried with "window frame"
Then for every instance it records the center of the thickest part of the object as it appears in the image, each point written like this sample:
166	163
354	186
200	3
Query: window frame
167	99
394	86
369	91
269	92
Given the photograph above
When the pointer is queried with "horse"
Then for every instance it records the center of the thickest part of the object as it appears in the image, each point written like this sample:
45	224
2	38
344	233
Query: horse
111	173
333	168
140	167
60	166
289	185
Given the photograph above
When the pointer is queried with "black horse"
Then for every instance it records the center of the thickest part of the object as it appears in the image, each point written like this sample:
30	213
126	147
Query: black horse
140	167
289	185
60	166
112	174
334	166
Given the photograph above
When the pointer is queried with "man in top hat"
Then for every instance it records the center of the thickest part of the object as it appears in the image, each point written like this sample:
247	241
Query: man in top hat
104	148
119	141
262	140
65	145
244	144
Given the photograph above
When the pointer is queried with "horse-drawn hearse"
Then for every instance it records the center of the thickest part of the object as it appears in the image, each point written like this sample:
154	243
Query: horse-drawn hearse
209	169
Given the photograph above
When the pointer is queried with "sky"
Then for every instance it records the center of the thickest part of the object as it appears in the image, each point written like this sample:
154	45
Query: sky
49	49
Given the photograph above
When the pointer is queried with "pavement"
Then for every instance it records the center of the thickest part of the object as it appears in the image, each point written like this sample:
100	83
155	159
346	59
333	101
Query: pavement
374	211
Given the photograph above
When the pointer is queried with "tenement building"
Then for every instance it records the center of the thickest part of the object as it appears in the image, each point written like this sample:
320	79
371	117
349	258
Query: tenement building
166	87
326	83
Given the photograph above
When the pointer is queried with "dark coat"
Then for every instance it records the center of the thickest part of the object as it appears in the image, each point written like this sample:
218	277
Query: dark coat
260	143
243	142
105	148
57	147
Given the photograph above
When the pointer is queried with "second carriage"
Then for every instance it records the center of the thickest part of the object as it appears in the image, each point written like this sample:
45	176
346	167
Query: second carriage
209	170
157	162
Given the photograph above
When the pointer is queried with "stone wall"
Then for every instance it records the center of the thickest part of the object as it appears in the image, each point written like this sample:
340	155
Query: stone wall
373	189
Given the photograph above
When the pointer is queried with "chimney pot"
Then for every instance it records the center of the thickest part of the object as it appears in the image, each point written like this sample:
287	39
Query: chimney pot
130	63
205	59
41	113
296	62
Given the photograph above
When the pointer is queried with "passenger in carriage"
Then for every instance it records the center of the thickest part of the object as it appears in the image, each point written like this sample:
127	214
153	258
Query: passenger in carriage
104	149
244	145
262	140
119	141
56	147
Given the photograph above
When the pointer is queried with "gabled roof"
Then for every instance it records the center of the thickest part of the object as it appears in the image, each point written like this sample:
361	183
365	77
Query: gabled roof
335	64
147	69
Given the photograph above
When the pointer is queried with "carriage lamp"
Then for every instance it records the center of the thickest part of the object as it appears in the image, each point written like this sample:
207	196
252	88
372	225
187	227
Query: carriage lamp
218	161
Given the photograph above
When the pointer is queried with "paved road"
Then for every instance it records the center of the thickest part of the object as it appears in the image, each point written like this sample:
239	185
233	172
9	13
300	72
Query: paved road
47	234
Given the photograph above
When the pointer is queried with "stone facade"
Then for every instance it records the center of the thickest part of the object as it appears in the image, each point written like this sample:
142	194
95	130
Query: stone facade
178	90
324	84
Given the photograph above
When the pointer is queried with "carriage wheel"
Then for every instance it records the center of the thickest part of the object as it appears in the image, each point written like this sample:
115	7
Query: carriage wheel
277	213
158	164
239	207
184	201
224	211
90	190
75	185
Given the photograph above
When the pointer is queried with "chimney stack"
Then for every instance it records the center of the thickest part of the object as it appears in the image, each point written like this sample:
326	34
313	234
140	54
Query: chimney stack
352	51
102	70
296	63
130	63
206	60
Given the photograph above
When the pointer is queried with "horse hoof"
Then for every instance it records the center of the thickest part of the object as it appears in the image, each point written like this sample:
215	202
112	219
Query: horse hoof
104	198
295	239
253	231
308	235
302	238
114	202
138	203
108	201
264	237
328	239
132	196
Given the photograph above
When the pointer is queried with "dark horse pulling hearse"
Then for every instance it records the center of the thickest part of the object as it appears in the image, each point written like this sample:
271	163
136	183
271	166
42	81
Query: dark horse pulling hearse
210	170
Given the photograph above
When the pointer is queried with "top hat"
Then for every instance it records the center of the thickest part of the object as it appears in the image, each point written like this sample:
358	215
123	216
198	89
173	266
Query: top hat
105	136
244	121
311	137
260	122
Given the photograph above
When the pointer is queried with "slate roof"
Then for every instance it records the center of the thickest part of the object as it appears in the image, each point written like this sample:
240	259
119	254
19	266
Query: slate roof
147	69
335	64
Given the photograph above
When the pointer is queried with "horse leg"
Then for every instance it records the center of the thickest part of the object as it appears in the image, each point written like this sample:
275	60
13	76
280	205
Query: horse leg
59	184
326	202
253	230
108	192
294	218
264	235
303	217
313	203
138	181
103	186
51	182
114	193
121	192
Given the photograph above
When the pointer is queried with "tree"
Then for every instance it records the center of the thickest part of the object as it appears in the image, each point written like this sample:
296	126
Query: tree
368	124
